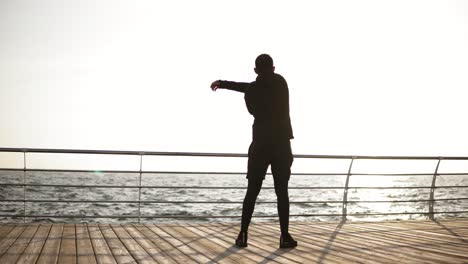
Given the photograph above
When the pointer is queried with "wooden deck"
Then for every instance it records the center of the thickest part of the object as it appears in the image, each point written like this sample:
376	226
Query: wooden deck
444	241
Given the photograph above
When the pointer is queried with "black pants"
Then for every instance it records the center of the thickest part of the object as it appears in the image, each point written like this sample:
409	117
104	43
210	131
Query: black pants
261	155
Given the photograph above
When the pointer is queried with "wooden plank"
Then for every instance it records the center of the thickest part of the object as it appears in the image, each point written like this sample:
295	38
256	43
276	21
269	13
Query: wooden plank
32	252
439	231
51	249
425	244
138	253
153	250
370	242
219	238
351	243
269	244
366	244
429	243
118	249
429	246
161	231
101	249
229	234
437	235
85	252
305	252
403	226
316	252
14	252
454	222
343	243
396	248
166	244
190	242
67	253
430	228
214	251
430	223
5	229
339	242
10	238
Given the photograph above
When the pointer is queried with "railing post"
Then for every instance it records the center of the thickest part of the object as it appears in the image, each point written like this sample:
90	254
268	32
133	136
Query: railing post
344	212
139	188
431	194
24	186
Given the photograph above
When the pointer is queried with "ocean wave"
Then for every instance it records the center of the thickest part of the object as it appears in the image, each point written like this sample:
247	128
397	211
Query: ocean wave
219	195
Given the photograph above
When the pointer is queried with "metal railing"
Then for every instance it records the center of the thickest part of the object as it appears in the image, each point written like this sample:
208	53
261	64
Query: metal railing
344	202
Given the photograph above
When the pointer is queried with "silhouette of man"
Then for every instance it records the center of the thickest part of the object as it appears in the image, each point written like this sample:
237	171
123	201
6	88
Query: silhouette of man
267	99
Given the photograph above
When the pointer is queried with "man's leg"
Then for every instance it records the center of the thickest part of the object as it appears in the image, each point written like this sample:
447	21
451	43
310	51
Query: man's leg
281	169
253	189
281	189
256	170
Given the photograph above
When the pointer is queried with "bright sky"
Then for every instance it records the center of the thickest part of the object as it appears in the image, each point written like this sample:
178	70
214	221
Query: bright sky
365	77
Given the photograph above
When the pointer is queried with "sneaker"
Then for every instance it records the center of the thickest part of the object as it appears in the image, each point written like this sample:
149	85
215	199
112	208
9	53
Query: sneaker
241	240
287	241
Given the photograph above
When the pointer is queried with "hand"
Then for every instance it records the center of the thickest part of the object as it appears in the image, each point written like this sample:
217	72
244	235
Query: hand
215	85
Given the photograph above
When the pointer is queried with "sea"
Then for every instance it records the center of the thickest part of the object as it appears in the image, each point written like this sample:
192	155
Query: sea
175	194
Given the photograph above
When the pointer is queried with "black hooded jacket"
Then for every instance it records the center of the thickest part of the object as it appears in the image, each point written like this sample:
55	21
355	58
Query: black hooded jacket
267	99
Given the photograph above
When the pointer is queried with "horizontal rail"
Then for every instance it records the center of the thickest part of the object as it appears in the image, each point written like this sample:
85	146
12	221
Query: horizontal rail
224	187
158	202
123	152
156	216
409	213
165	172
411	187
203	154
220	216
221	202
230	172
156	187
227	187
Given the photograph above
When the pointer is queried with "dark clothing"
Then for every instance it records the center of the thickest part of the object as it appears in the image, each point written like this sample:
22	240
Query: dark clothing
248	206
261	155
267	99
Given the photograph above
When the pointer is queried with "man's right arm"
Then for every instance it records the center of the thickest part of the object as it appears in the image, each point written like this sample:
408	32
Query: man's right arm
234	86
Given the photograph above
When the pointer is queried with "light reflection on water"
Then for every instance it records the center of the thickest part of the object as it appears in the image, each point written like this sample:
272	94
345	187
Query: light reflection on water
325	196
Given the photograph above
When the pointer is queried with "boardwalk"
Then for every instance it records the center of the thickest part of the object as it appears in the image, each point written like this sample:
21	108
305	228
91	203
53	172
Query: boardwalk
444	241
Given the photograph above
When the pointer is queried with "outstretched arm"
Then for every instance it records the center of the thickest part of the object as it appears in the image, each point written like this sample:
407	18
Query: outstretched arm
235	86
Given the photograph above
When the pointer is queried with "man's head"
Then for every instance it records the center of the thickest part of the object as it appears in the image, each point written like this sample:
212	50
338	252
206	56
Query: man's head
264	64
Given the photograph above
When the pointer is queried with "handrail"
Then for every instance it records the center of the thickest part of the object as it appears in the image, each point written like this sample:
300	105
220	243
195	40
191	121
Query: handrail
220	216
224	187
211	154
222	202
345	201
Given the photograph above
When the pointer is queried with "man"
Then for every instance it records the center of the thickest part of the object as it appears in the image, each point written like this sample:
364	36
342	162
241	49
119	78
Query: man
267	99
